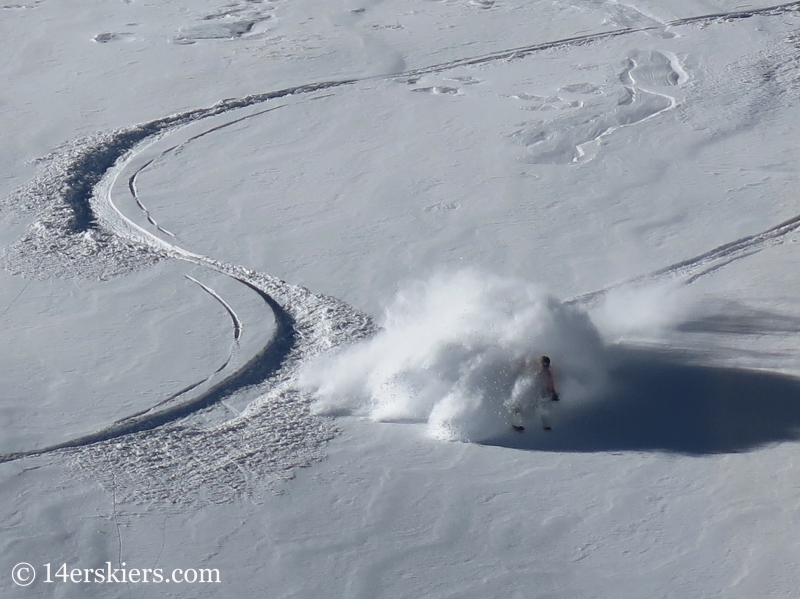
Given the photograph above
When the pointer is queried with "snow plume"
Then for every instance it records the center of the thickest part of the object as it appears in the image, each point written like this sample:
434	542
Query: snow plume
643	312
449	352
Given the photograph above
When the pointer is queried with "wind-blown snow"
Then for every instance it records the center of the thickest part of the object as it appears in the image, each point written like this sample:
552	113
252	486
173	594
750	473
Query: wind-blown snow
644	310
449	353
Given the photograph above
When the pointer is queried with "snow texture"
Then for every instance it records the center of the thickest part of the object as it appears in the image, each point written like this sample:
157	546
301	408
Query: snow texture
638	161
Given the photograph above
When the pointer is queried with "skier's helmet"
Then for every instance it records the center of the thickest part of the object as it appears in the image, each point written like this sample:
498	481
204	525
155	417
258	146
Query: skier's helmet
545	361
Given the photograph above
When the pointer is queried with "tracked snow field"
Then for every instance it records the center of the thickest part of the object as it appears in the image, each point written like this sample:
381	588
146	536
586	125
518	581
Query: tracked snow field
263	260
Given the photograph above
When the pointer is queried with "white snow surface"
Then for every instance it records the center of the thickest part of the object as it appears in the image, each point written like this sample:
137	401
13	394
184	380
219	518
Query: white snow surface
268	269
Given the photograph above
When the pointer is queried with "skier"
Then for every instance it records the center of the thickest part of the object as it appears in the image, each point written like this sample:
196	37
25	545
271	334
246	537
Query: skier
547	375
532	392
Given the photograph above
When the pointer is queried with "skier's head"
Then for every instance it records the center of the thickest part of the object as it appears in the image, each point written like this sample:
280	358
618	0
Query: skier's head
545	361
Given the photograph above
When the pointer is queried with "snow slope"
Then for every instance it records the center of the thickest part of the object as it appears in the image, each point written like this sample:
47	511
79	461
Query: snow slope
251	238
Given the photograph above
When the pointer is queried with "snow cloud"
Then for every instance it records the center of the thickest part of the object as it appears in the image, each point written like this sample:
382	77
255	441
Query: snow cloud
449	352
644	311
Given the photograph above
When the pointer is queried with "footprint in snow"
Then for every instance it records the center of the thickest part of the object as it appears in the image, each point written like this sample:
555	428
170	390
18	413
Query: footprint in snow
437	89
442	207
104	38
215	31
651	67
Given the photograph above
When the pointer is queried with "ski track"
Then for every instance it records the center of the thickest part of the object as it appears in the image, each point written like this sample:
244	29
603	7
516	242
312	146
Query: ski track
161	453
238	327
132	180
142	207
692	269
237	323
576	136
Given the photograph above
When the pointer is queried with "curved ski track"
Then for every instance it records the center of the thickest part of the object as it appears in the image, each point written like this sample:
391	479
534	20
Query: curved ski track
307	323
142	207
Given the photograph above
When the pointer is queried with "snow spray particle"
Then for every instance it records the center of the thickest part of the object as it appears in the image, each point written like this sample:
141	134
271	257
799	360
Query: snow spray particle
642	312
449	352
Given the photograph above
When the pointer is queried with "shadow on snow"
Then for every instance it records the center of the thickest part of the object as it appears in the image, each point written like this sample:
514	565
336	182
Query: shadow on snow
659	402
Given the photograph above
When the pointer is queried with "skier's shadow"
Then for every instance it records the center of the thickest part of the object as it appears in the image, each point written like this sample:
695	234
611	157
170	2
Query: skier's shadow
657	402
